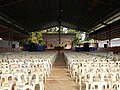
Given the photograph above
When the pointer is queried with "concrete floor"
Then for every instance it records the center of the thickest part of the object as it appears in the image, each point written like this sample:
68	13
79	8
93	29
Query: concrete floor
60	78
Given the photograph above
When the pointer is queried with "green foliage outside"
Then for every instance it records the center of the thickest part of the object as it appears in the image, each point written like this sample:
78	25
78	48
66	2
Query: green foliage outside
36	37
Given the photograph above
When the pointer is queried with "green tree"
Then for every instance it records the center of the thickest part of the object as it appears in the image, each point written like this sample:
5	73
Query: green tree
36	37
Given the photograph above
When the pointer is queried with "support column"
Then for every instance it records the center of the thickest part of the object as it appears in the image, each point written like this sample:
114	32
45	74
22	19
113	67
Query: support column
59	35
59	23
109	42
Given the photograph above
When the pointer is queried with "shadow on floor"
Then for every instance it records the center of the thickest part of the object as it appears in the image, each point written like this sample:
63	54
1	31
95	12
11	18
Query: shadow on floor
60	60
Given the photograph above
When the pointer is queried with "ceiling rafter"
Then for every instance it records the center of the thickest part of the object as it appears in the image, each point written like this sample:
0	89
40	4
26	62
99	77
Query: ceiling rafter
78	14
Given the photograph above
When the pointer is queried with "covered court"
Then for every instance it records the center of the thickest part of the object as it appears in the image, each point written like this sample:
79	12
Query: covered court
66	69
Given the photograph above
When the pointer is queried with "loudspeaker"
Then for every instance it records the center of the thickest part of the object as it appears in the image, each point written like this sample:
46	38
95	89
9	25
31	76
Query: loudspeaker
13	45
32	46
86	46
51	45
105	45
65	45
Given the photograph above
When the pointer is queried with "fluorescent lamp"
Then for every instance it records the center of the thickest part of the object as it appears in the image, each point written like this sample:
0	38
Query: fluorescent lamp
110	20
1	39
114	20
100	27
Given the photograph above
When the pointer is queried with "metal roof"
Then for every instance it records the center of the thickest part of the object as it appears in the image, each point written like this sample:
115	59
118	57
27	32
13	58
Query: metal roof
109	32
33	15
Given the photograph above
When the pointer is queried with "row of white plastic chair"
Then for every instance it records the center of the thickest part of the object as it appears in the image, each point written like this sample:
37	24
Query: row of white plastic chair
25	70
96	72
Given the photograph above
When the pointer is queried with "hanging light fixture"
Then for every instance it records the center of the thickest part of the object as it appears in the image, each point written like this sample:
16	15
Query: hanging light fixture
59	21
